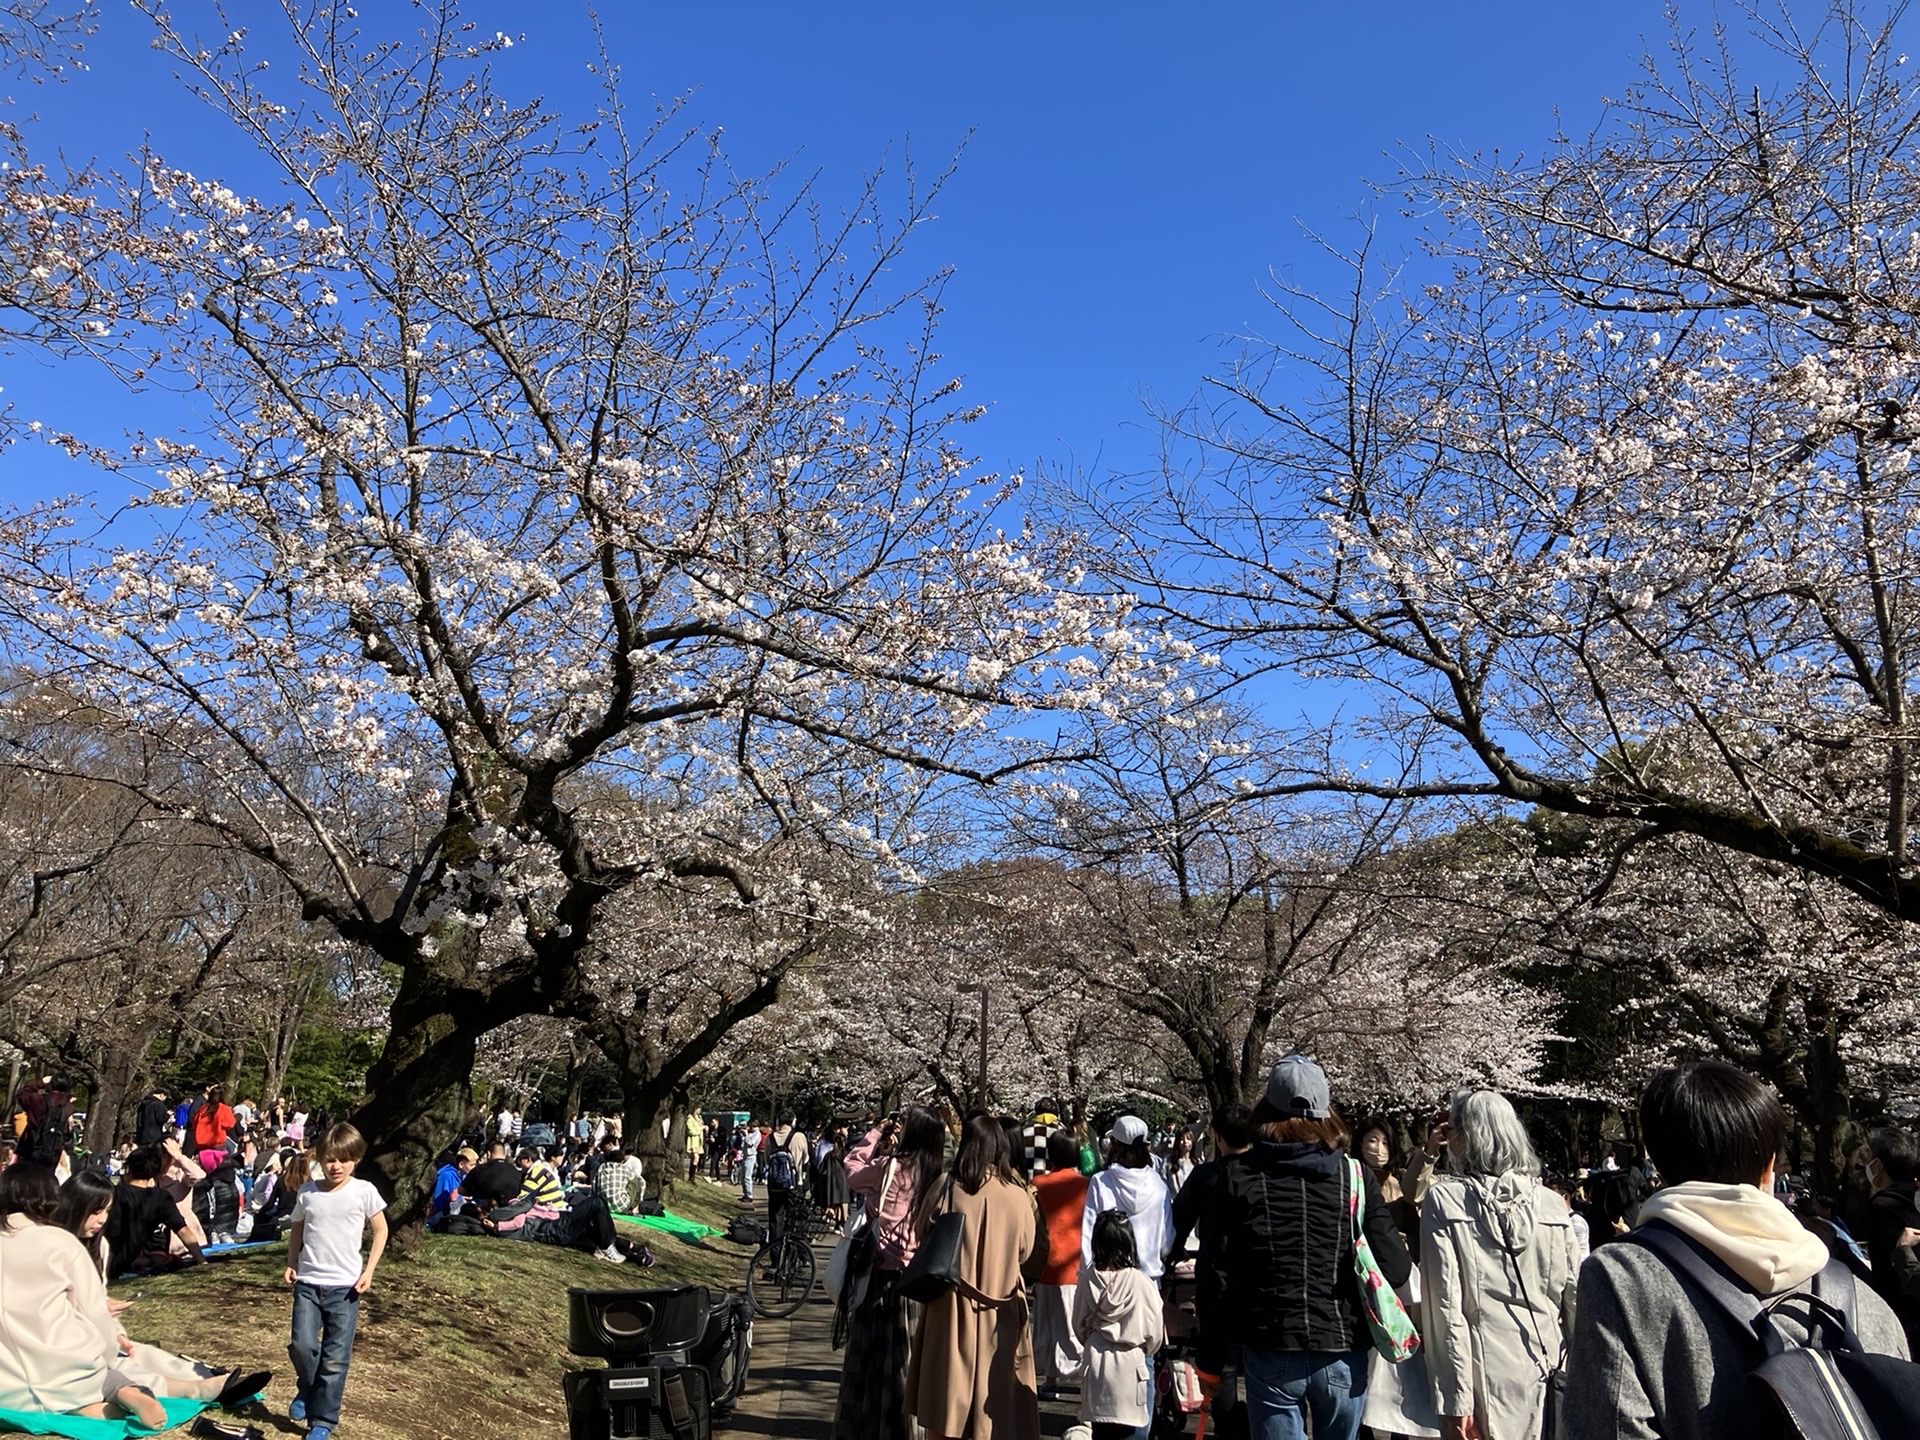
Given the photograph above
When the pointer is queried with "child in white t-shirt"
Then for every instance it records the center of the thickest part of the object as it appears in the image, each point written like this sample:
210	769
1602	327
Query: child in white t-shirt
324	1268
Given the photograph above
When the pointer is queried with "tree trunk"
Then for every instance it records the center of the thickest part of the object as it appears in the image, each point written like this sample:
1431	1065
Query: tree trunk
417	1096
676	1141
646	1103
577	1052
236	1061
1828	1113
110	1107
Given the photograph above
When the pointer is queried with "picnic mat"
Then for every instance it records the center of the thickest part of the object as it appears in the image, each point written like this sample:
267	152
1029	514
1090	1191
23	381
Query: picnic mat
38	1422
674	1225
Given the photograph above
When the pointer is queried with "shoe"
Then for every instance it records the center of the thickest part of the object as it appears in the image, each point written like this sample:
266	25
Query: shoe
242	1385
297	1410
611	1255
320	1432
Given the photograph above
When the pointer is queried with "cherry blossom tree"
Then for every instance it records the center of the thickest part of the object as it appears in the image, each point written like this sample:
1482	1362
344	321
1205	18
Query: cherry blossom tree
533	462
1617	470
1243	927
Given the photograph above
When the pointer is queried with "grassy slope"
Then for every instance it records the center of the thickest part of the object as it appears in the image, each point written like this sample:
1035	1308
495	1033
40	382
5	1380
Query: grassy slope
466	1338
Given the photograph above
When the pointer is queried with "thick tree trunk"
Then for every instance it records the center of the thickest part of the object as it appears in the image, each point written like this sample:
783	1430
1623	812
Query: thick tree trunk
110	1107
646	1104
417	1096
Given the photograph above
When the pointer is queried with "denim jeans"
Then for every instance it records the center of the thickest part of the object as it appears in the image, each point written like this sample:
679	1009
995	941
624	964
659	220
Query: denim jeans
1283	1386
324	1317
746	1174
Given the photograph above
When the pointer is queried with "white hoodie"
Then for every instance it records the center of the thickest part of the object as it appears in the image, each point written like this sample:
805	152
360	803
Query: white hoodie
1143	1195
1757	1236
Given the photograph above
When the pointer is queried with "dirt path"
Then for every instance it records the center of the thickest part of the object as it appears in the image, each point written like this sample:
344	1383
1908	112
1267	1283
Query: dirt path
795	1378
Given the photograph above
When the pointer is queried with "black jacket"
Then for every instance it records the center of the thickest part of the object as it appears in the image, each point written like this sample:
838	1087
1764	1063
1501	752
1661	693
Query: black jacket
1194	1213
1889	1212
154	1121
1285	1270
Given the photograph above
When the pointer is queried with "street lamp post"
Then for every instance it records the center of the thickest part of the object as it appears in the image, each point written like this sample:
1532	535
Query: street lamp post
969	989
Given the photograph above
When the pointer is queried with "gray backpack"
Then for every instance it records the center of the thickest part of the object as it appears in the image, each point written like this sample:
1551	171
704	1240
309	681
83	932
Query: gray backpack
1834	1389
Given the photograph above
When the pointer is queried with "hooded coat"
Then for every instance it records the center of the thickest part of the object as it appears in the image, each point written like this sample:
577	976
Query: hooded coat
57	1341
1649	1358
1499	1266
1148	1203
1118	1319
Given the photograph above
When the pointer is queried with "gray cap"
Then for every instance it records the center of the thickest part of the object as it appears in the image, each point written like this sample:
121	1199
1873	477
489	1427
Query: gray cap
1297	1087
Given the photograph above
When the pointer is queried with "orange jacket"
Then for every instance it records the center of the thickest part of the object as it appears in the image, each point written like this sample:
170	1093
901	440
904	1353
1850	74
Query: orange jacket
1063	1195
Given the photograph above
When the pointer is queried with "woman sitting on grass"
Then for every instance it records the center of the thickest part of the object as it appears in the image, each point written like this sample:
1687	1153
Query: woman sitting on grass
85	1201
59	1345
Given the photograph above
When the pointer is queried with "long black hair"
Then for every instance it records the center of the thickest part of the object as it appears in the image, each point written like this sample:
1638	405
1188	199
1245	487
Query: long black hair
1113	1247
921	1149
86	1194
30	1190
983	1153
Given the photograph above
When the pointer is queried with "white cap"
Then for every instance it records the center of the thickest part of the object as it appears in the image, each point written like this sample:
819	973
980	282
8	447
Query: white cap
1128	1130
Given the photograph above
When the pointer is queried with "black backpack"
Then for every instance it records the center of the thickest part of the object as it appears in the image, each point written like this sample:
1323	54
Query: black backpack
744	1230
781	1172
1834	1389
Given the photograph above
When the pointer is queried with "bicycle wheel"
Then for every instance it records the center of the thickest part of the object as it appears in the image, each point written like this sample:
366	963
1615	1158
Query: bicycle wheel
779	1278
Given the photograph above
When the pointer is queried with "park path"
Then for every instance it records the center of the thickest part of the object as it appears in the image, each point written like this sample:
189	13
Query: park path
794	1380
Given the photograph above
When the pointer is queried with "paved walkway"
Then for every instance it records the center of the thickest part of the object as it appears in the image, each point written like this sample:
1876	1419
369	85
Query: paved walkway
794	1379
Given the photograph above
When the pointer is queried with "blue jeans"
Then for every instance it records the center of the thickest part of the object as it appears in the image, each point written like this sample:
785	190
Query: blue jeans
1284	1385
746	1174
324	1317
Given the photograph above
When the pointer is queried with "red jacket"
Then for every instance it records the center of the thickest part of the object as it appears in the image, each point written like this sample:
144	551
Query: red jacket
210	1126
1063	1196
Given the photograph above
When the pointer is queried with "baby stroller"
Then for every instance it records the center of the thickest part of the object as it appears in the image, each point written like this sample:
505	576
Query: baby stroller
1175	1377
678	1361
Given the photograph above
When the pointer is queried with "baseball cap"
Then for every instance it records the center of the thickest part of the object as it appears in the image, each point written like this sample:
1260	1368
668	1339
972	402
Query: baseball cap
1128	1130
468	1155
1297	1087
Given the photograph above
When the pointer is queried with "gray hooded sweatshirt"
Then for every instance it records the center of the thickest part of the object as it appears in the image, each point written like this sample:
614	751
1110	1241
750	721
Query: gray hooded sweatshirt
1649	1359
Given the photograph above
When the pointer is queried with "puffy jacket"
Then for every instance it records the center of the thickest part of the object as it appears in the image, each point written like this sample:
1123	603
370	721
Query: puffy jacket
1285	1276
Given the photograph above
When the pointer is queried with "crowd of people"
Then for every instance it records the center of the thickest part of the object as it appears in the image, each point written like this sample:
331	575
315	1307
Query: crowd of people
1273	1266
1282	1247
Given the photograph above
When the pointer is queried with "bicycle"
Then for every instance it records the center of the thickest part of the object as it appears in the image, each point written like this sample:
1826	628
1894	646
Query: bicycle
782	1272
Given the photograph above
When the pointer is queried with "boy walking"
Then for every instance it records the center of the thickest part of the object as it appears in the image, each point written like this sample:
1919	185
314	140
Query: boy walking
324	1269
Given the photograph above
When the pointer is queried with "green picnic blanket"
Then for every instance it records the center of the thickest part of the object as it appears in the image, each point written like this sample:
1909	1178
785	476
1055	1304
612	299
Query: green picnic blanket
674	1225
38	1422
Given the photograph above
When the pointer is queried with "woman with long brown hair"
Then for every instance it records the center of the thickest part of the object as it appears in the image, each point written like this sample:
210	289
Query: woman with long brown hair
972	1369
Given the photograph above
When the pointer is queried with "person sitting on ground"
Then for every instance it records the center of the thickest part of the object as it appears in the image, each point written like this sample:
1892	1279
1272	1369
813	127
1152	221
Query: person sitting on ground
181	1174
446	1183
59	1344
585	1222
86	1202
216	1203
495	1180
144	1216
1648	1349
538	1180
622	1180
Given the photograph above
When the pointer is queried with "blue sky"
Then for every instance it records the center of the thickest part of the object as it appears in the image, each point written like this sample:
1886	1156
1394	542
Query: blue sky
1134	173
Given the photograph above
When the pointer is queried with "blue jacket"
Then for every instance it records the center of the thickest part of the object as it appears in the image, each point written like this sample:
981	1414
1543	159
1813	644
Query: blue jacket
445	1183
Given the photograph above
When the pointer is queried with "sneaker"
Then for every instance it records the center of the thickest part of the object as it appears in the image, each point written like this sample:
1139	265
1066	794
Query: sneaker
297	1410
320	1432
611	1255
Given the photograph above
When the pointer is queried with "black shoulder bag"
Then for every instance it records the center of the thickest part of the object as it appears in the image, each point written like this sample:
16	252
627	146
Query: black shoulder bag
935	1267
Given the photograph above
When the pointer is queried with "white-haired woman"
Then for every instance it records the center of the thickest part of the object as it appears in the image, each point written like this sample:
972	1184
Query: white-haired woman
1498	1265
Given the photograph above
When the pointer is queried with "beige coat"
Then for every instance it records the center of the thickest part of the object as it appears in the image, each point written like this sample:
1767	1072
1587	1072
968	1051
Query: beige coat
1498	1268
971	1371
57	1340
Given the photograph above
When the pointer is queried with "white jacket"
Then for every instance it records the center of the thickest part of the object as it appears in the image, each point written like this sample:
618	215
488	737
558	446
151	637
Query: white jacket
1149	1208
1498	1265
